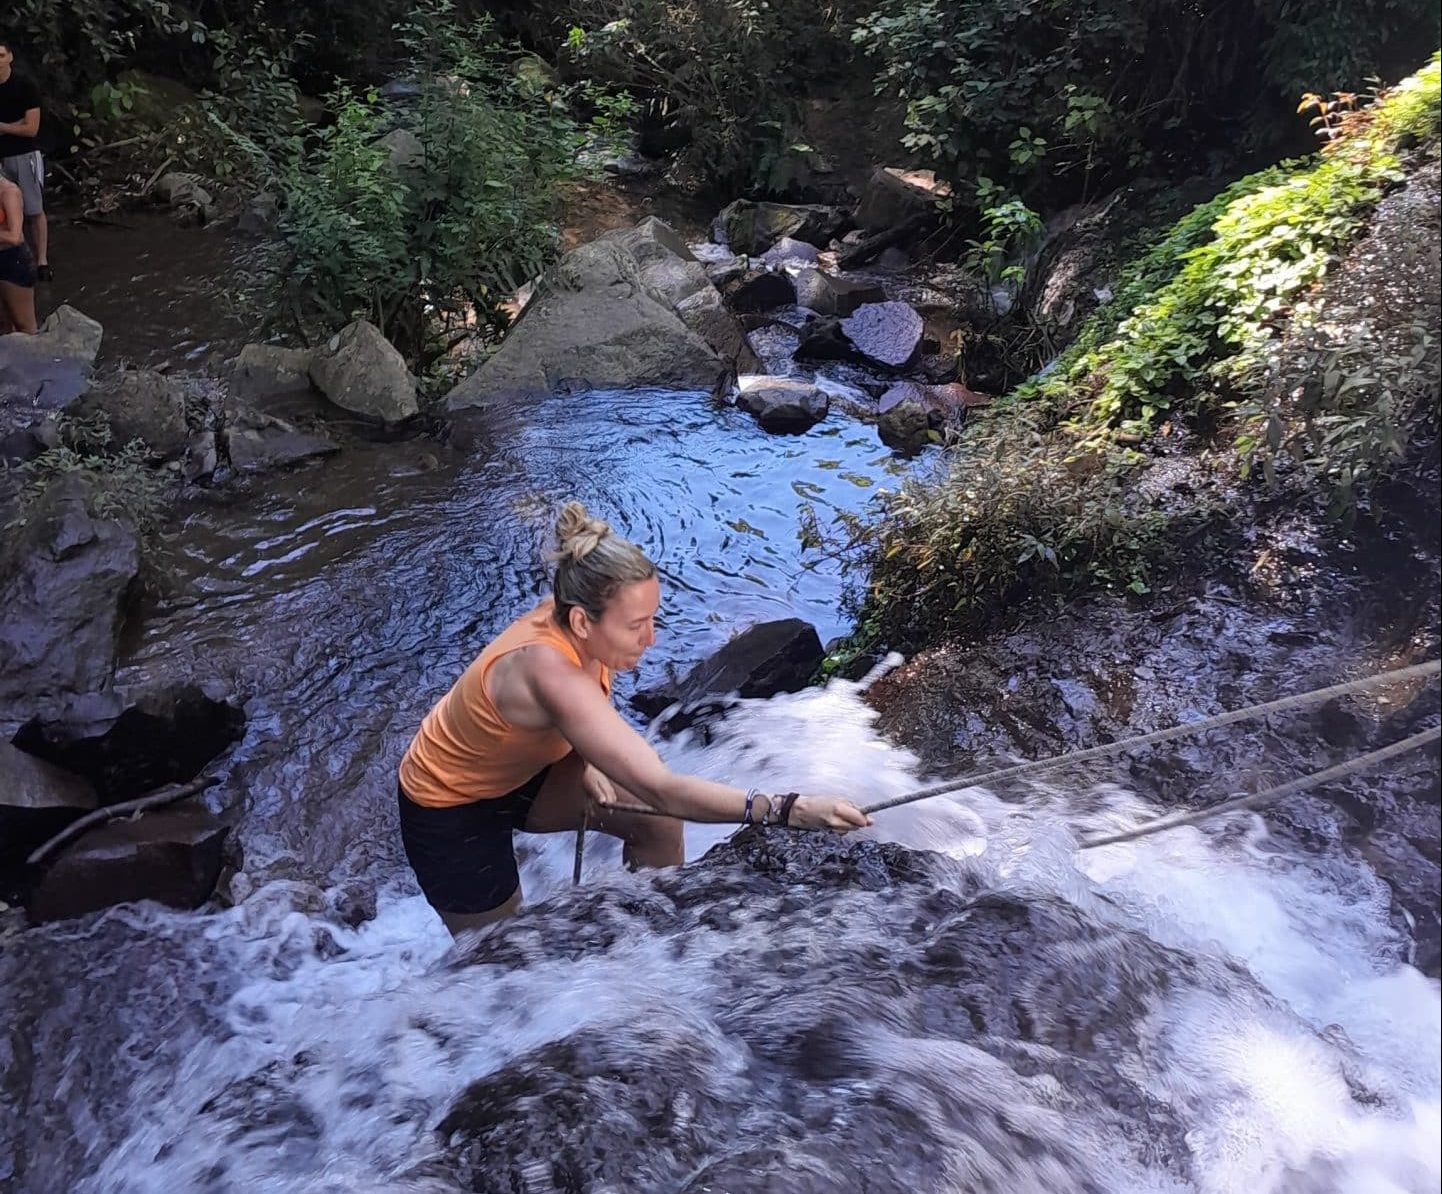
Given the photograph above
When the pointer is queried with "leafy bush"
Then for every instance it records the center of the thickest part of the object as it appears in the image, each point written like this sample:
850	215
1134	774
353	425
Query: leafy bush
1219	318
452	227
1193	315
1044	96
728	75
119	482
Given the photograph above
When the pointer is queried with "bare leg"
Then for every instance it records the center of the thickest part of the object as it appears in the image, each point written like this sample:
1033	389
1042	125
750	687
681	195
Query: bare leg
39	236
561	804
469	922
19	304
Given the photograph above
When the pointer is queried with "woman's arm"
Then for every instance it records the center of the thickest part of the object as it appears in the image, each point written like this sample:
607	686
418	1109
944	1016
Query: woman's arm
583	716
14	231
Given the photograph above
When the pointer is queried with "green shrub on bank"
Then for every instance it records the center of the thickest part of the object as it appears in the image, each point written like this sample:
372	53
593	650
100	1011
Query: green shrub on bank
1045	499
436	236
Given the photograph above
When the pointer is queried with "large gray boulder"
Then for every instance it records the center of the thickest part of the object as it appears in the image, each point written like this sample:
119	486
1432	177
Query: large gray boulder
173	856
786	405
886	334
64	578
752	228
143	405
359	370
37	801
39	376
596	323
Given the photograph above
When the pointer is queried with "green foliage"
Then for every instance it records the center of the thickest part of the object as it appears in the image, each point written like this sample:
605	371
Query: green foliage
448	228
1043	96
1009	230
726	76
1192	316
118	481
1015	520
1045	500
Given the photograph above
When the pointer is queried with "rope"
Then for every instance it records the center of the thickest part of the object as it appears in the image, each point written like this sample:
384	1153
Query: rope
986	778
1341	771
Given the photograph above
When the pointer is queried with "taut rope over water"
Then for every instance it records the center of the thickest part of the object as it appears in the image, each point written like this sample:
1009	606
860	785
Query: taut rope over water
1300	700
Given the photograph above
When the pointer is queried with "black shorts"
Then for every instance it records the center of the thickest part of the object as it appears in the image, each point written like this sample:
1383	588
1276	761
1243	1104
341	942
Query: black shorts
462	856
17	266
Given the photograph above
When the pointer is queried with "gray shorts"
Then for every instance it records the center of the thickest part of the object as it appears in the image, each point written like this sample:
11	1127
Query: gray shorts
27	171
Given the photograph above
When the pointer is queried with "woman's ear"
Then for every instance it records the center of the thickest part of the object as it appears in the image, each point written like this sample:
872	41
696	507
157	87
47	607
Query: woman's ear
580	623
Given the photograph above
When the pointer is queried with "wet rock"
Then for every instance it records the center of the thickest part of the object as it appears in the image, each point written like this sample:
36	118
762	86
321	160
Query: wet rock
784	404
761	661
755	291
37	801
752	228
201	456
706	314
64	578
1007	997
172	856
787	251
127	742
893	260
404	148
359	370
826	294
887	334
911	416
823	340
41	375
264	371
894	195
140	405
256	443
594	324
184	192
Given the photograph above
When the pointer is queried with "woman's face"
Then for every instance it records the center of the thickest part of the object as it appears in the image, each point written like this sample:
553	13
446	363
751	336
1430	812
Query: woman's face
626	628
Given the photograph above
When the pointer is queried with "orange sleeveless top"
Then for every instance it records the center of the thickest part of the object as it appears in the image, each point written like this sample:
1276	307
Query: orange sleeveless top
465	750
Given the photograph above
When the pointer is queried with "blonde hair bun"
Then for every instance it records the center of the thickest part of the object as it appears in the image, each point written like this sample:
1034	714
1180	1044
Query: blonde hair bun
577	533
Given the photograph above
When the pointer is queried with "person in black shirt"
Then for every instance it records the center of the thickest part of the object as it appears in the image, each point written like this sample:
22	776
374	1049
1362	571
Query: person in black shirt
20	157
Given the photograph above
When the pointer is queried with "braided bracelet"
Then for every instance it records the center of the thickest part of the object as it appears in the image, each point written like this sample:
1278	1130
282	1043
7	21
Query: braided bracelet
746	817
787	803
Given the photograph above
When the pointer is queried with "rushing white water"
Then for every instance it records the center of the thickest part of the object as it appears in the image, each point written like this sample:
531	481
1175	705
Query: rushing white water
1294	1053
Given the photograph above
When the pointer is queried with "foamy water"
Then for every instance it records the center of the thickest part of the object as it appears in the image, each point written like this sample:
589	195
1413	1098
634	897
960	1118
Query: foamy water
1296	1053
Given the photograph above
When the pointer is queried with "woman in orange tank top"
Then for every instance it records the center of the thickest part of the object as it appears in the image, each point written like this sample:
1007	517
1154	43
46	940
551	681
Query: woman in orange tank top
527	739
